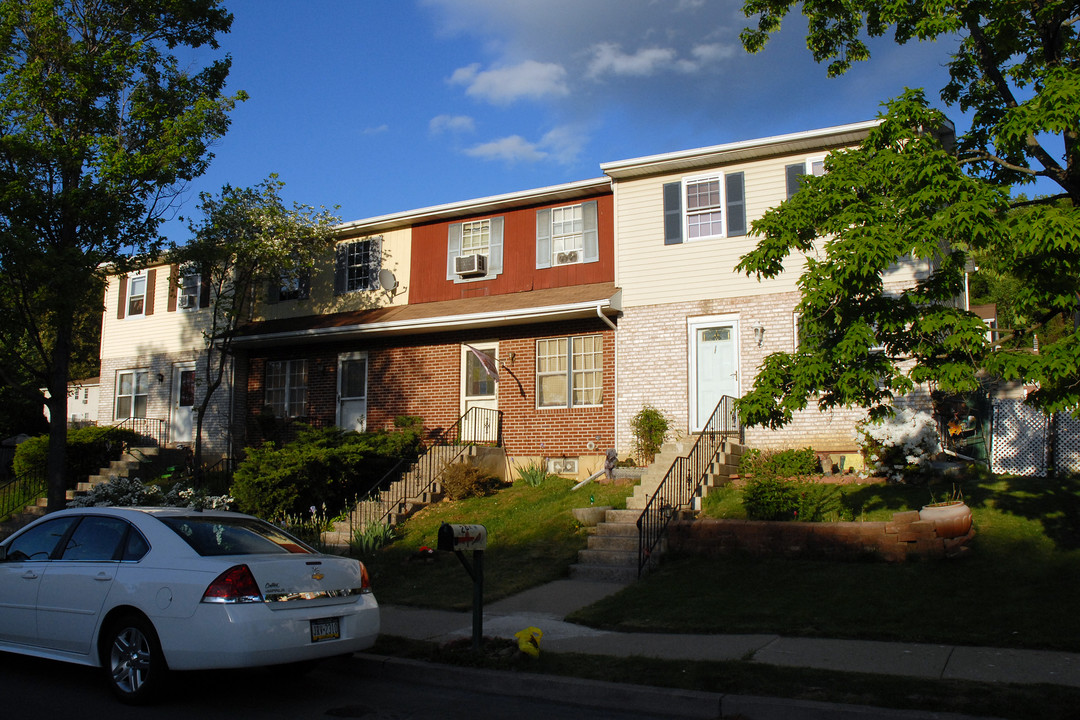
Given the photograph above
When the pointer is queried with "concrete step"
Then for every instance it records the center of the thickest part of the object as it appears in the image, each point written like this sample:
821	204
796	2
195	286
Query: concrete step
589	556
604	573
617	543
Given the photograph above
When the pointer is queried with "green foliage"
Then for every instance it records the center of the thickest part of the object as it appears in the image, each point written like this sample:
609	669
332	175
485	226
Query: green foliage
366	540
462	480
88	450
768	497
905	199
322	468
820	502
780	463
534	474
650	428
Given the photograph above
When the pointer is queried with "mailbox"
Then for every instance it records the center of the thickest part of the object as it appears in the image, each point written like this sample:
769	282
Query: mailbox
456	537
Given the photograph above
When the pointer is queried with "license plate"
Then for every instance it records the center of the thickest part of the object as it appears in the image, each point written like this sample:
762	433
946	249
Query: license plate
325	629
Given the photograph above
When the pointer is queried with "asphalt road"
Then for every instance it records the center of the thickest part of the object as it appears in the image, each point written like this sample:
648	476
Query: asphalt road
34	689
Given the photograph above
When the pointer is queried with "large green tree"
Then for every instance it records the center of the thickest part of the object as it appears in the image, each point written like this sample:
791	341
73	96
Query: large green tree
247	242
101	125
910	199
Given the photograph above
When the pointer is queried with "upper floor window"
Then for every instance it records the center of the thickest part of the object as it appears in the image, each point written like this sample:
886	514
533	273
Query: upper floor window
357	265
704	207
187	295
570	371
286	387
474	249
567	235
795	172
136	301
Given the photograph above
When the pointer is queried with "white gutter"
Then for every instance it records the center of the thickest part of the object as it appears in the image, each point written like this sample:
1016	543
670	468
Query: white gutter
439	322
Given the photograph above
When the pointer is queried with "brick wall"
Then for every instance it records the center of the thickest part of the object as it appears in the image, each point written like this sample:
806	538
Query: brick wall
422	376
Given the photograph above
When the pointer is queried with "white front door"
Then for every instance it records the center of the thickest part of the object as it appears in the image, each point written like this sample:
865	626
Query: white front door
183	403
479	390
352	391
714	366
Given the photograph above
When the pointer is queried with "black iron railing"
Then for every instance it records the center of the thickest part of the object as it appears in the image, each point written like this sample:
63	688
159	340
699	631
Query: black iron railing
150	430
478	426
685	477
23	490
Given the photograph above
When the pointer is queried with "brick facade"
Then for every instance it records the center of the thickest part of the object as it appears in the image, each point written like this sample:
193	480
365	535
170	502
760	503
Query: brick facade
421	375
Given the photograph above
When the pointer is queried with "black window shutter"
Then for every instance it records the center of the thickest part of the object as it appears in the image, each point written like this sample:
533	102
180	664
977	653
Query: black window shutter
794	172
673	213
735	192
339	268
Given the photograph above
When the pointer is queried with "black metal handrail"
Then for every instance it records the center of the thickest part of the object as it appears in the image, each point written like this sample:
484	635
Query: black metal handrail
684	478
152	430
478	426
22	491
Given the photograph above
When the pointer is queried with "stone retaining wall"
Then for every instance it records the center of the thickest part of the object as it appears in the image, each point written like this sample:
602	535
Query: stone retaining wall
902	538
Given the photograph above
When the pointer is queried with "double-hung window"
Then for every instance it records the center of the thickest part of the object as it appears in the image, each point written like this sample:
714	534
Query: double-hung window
187	296
707	206
132	389
357	264
136	302
570	371
474	250
286	387
567	235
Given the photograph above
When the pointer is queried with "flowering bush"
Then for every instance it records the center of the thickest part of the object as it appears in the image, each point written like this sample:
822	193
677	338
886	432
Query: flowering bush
902	445
131	492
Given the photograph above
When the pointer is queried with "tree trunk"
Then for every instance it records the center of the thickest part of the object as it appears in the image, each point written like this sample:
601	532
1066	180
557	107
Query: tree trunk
55	471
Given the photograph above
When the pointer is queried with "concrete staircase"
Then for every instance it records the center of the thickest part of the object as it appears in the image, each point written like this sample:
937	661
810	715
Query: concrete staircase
612	553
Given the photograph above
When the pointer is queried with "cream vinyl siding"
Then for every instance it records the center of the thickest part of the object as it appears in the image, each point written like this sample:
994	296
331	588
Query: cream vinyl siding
396	257
143	335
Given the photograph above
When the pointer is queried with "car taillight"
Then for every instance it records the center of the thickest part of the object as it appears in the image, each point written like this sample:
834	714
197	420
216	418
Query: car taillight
365	579
235	585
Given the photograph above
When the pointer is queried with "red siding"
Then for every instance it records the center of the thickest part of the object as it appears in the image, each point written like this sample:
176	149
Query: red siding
429	247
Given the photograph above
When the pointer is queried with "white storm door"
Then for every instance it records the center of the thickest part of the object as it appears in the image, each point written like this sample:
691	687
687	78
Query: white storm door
181	418
714	367
352	391
479	390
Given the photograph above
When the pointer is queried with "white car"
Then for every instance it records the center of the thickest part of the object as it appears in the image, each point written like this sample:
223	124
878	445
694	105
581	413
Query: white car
142	591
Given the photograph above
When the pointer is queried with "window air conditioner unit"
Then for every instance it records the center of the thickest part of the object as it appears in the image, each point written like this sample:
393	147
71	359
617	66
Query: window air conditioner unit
467	265
186	301
566	258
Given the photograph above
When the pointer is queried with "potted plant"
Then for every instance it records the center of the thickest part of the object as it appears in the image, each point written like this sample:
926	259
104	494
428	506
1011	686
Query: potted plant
951	516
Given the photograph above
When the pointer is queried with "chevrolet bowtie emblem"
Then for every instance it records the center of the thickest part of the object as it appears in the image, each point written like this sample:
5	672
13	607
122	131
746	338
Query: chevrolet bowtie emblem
316	575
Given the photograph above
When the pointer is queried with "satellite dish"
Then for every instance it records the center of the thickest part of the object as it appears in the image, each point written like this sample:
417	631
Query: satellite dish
387	280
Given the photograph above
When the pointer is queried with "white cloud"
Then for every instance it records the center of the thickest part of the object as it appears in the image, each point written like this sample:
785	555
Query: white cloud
562	145
510	149
376	130
713	52
504	85
608	58
451	123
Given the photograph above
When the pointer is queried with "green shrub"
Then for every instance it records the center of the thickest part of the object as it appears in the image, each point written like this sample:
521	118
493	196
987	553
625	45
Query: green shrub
323	468
820	502
366	540
462	480
767	497
780	463
650	430
88	450
534	474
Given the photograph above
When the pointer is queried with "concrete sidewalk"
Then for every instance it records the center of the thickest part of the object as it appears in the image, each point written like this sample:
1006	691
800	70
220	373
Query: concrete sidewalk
546	607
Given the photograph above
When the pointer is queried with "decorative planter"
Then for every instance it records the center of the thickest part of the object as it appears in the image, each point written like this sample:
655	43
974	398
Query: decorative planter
590	516
951	519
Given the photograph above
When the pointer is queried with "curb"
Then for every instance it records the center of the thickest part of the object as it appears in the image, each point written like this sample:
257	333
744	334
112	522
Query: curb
630	698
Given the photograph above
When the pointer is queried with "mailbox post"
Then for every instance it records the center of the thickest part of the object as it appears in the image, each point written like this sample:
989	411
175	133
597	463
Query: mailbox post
457	538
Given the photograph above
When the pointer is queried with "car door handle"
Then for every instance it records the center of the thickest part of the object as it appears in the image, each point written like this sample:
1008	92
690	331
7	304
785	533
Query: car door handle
103	576
29	575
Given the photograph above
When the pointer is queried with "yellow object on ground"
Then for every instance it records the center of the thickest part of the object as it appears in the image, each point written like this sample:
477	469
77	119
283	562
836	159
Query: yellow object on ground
529	640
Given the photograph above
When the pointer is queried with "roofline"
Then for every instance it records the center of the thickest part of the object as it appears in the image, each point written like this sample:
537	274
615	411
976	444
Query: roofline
709	155
496	318
474	207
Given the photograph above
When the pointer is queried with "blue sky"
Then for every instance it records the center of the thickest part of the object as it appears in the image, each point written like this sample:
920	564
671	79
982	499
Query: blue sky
381	107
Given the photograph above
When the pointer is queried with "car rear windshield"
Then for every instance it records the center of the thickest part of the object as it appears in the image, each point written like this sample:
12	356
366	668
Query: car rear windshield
209	535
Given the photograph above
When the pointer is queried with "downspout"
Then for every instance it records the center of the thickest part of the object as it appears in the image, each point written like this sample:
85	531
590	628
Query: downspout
614	381
604	317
